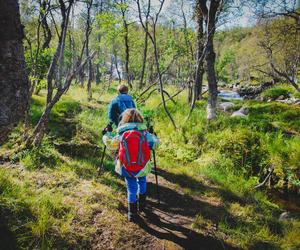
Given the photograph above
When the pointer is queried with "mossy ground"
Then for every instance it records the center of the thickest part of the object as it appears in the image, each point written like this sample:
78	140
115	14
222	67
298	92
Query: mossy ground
52	198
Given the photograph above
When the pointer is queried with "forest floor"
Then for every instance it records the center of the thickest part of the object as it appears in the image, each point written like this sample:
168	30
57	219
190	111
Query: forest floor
52	198
172	219
169	223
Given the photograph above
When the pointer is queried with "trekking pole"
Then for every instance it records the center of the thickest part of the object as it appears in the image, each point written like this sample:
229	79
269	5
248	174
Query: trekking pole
101	167
108	128
155	173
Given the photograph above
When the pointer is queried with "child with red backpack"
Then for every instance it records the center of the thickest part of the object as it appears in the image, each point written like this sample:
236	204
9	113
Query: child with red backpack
134	143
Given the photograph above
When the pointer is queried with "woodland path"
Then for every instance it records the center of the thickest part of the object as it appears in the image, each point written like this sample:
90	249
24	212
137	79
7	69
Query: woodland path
171	220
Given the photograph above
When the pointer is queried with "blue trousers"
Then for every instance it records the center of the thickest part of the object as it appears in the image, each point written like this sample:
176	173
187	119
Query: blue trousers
135	186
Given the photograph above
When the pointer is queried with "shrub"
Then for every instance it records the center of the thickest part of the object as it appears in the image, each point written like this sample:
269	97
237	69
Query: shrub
275	92
296	94
242	146
40	157
284	156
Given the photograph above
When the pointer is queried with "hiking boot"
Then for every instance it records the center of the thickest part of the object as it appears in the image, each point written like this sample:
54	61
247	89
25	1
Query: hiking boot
132	212
142	202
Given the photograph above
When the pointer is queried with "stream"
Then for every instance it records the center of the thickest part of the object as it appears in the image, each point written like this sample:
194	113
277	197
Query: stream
229	95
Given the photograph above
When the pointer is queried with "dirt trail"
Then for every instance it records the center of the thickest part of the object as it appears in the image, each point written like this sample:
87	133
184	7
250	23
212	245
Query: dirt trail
171	220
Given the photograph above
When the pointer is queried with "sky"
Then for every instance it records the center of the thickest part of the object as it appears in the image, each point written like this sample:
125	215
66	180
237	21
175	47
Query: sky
171	10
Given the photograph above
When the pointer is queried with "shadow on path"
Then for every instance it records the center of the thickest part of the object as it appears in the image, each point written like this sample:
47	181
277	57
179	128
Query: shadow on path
172	219
186	181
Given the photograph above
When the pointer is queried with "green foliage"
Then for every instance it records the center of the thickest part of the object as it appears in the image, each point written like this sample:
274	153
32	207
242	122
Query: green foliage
225	65
91	123
40	157
221	160
38	63
110	25
66	107
242	146
284	156
263	115
33	216
275	92
297	94
292	241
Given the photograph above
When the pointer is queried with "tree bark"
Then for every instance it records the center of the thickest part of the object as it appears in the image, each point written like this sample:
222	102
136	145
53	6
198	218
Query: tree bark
98	75
87	36
14	84
212	81
46	28
144	59
210	57
145	46
200	47
126	41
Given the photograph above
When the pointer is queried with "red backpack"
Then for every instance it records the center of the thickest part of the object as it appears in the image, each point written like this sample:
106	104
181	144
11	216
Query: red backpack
134	150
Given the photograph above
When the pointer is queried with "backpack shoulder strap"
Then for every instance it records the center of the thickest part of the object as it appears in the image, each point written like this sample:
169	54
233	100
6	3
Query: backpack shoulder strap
125	147
140	153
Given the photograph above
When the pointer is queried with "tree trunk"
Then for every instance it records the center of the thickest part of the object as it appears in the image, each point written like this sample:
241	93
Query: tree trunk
46	28
126	41
98	75
210	61
199	68
87	34
145	46
212	84
56	66
14	84
144	60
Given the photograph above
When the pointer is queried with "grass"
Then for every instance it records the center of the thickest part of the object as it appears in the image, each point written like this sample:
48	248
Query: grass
277	91
233	154
55	200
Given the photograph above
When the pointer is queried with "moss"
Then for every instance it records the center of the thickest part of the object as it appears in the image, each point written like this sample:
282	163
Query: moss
275	92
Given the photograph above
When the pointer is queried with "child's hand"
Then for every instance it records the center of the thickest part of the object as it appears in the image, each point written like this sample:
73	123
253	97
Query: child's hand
108	128
151	130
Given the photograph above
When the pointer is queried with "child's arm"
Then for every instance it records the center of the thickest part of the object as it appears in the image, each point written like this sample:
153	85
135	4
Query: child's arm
152	140
110	141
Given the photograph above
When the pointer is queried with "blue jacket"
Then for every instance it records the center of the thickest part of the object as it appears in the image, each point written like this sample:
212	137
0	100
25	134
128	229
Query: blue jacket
118	106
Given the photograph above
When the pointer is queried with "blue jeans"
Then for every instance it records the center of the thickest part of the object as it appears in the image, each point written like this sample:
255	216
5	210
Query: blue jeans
135	186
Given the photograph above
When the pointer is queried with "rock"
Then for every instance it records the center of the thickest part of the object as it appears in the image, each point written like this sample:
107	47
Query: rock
287	101
260	98
285	216
238	114
251	90
225	106
244	110
282	97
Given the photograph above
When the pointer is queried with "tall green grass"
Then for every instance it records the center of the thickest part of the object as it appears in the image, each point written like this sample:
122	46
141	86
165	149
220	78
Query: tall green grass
221	160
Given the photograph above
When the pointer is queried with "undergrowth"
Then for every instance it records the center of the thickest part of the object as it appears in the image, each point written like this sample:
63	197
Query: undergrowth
51	202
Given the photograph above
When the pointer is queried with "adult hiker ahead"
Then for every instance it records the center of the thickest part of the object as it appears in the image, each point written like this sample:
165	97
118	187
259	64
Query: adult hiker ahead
119	104
134	143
